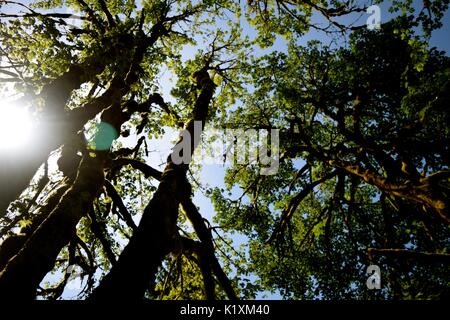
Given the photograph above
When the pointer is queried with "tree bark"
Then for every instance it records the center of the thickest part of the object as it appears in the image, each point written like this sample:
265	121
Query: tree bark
68	163
12	245
425	192
156	234
25	271
17	169
205	237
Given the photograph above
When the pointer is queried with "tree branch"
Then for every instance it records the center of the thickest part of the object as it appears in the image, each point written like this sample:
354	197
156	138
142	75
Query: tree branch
204	235
408	254
421	193
138	165
288	212
204	264
100	232
105	10
117	200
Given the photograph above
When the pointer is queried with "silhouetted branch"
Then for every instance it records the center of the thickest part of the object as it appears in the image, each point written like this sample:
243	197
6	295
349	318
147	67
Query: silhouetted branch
288	212
205	237
105	10
409	254
204	264
138	165
99	231
117	200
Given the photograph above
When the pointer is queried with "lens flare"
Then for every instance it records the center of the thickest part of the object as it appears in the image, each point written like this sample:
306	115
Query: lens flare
101	136
15	127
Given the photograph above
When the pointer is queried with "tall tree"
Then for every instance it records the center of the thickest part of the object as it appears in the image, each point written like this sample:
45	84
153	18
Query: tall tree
364	171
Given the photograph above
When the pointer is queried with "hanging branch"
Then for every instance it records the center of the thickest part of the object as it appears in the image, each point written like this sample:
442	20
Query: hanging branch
99	231
117	200
191	246
88	268
205	237
56	291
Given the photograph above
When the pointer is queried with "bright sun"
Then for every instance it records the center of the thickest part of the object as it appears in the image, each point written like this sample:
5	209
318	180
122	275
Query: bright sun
15	127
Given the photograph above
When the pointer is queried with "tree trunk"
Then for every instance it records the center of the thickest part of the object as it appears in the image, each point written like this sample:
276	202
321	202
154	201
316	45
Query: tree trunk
12	245
25	271
154	239
151	243
68	163
16	170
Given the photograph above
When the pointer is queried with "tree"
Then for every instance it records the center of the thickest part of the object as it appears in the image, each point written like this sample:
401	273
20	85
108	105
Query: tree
118	89
363	177
373	140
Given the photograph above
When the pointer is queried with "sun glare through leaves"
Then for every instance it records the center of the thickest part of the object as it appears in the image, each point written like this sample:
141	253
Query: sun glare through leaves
15	127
